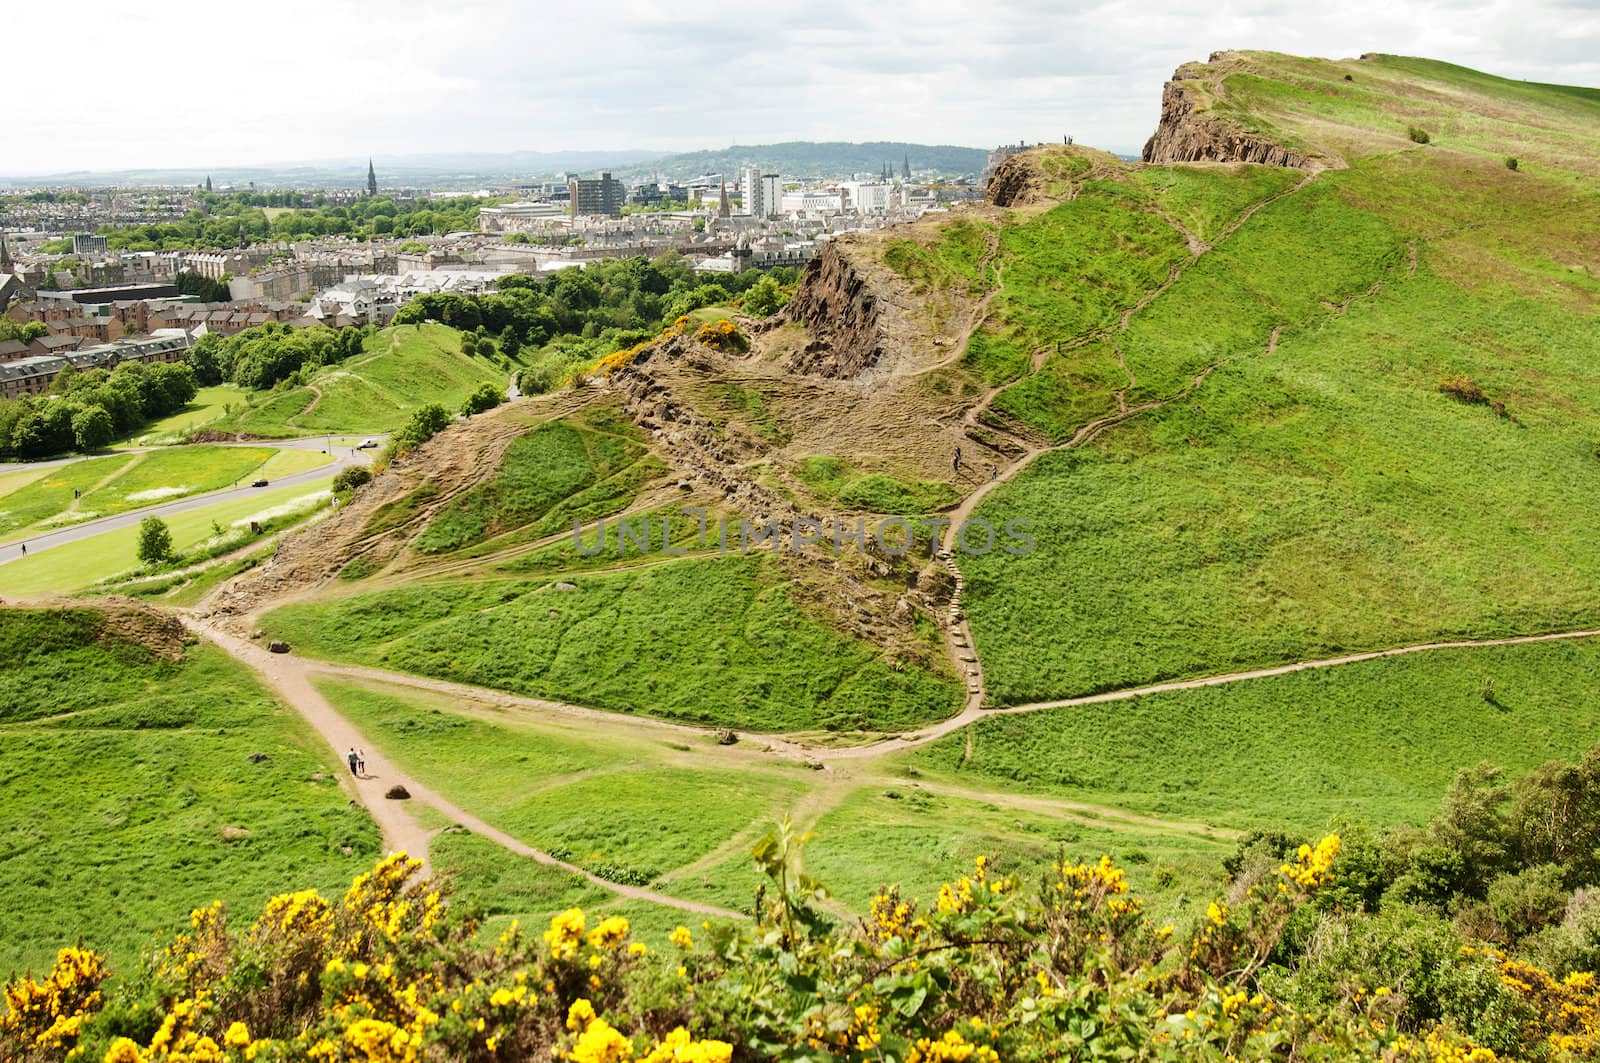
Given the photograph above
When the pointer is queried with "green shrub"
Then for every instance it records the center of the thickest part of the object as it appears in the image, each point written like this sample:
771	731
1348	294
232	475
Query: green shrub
1511	162
1418	136
485	397
155	541
352	478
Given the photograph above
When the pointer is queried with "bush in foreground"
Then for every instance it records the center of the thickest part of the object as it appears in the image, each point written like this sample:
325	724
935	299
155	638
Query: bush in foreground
991	970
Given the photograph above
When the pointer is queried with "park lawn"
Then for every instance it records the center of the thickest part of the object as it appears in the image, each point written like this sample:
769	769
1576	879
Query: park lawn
627	809
14	481
50	494
1378	740
109	554
120	772
713	641
209	404
287	461
177	472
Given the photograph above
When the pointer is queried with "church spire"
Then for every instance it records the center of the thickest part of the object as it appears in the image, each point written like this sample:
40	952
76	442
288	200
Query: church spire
372	179
905	168
722	197
6	265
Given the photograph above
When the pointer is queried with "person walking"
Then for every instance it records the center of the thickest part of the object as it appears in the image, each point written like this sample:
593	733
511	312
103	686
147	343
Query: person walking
361	763
352	759
994	473
955	462
24	549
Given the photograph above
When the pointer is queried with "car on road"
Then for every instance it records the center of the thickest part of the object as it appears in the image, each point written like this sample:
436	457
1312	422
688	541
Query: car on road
366	444
259	483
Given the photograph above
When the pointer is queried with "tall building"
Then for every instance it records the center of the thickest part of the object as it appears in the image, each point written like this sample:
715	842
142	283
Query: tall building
763	192
905	168
601	196
372	179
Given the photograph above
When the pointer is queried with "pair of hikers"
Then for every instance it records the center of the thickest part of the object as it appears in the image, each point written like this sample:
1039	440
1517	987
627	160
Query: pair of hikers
955	465
357	759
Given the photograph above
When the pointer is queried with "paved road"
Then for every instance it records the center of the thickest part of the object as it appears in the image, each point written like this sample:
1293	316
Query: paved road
344	457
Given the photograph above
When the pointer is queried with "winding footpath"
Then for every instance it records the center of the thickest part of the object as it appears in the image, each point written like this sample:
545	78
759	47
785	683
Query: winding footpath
291	678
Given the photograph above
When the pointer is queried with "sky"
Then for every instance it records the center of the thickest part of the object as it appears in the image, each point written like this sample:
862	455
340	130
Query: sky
163	84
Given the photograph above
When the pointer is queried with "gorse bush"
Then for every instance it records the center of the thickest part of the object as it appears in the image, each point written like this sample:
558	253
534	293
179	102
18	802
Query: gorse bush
1418	136
993	968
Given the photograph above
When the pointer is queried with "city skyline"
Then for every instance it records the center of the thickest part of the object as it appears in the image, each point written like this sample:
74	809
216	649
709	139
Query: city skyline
334	80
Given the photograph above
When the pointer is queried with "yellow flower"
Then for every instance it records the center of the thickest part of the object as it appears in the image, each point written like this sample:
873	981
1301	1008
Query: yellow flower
238	1035
565	933
609	933
681	938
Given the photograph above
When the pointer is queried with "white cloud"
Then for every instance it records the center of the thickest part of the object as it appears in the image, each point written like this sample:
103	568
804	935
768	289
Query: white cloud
173	85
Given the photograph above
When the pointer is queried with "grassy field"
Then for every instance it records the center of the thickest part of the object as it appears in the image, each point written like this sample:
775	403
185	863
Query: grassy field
627	808
79	564
1377	741
119	483
839	481
130	794
209	404
402	368
557	472
713	641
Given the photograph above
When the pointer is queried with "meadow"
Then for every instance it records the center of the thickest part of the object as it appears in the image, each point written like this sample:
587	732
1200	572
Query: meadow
132	793
713	641
209	404
1378	741
841	482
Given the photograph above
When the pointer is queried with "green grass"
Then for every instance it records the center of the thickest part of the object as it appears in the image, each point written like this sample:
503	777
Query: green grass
713	641
839	481
209	404
119	772
542	481
903	833
401	369
951	261
1325	500
112	553
626	809
122	482
1379	740
1206	200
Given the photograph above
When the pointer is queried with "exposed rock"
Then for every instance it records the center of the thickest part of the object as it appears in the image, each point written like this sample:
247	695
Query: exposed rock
726	737
259	758
837	303
397	793
1015	183
233	834
277	646
1189	132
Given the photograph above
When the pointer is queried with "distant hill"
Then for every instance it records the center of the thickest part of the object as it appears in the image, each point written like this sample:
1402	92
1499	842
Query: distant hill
471	170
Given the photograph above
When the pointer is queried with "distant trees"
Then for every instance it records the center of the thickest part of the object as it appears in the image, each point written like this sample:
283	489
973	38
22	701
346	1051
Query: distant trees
204	288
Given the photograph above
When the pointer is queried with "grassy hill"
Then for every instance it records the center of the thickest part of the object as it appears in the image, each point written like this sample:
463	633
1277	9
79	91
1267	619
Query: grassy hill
401	368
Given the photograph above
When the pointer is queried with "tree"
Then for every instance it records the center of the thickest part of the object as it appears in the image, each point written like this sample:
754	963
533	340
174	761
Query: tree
155	541
92	428
486	397
424	424
510	345
764	297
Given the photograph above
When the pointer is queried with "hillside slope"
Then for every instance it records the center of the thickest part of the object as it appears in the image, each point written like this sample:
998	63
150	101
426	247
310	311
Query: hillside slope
1251	413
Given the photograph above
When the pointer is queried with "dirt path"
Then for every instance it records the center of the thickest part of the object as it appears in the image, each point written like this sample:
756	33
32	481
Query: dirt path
291	678
979	313
912	739
316	397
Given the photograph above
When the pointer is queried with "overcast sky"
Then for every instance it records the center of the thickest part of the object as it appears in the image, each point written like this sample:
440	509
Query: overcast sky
111	85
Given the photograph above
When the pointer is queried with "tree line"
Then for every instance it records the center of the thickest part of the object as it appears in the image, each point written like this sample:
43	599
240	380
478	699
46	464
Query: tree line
87	409
237	219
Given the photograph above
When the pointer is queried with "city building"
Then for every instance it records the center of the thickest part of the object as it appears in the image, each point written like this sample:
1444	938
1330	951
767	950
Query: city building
763	192
602	196
867	197
88	244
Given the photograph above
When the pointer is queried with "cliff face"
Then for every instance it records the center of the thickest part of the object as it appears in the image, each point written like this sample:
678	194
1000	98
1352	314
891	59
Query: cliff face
838	305
1188	133
1014	184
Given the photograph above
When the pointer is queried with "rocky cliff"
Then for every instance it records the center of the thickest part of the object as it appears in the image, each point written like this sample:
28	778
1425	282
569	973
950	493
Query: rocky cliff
837	303
1190	132
1015	183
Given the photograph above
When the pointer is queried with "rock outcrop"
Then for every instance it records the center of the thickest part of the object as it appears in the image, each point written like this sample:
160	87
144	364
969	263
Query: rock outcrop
839	306
1189	132
1015	183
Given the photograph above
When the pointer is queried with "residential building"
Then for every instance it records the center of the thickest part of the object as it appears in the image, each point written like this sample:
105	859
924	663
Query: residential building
763	192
